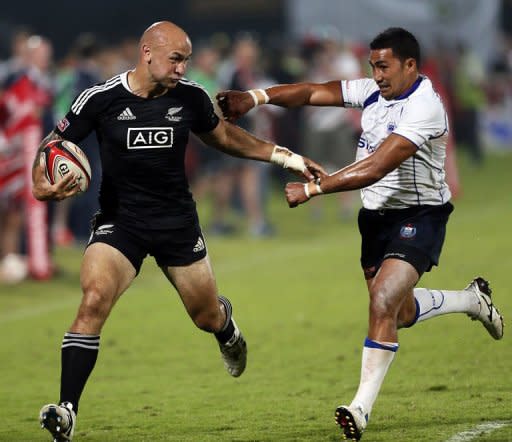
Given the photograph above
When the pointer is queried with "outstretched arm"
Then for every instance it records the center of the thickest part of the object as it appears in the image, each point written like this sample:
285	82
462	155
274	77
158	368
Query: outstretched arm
234	104
391	153
235	141
42	189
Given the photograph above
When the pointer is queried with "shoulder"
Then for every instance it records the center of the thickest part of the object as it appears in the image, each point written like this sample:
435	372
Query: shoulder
193	87
359	93
98	94
425	102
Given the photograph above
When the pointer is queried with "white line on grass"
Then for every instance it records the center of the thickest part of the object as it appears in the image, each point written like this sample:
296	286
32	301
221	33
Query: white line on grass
479	430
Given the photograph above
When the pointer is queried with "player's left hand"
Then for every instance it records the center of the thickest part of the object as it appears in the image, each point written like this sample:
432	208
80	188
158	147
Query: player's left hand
234	104
295	194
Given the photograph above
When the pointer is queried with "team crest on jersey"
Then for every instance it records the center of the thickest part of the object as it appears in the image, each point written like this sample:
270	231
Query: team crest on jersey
150	137
171	114
63	124
408	231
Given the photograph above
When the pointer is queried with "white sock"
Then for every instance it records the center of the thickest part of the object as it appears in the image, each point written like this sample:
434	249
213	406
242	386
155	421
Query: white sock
430	303
377	357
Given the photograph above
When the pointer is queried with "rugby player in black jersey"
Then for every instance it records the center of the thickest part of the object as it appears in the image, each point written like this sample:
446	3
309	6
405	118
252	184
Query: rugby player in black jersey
142	119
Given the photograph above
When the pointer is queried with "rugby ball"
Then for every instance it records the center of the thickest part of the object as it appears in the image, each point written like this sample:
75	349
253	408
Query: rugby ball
62	157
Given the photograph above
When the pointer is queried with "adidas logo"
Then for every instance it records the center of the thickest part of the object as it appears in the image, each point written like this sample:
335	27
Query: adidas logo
199	245
127	114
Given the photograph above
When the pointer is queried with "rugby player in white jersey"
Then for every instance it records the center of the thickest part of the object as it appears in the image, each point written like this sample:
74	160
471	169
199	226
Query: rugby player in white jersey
406	202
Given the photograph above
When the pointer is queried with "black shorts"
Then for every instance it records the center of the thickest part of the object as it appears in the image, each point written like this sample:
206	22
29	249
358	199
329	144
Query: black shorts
173	247
415	235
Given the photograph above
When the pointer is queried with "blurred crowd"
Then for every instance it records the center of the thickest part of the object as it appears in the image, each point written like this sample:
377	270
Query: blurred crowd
36	91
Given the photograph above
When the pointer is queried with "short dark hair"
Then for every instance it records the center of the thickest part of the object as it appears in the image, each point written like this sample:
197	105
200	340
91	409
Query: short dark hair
401	41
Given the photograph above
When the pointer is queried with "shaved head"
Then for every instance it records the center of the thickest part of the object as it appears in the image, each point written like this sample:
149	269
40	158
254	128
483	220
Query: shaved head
164	33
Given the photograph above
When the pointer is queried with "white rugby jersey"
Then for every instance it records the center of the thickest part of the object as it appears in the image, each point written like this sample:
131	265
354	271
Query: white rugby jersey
418	115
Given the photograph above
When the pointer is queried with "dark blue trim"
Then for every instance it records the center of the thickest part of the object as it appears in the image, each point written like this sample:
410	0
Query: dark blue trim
371	99
374	344
416	315
415	183
409	91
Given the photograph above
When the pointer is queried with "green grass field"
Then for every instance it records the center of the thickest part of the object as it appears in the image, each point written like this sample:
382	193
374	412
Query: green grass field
301	301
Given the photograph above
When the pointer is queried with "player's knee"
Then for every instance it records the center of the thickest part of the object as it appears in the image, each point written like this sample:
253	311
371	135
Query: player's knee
96	304
381	304
208	321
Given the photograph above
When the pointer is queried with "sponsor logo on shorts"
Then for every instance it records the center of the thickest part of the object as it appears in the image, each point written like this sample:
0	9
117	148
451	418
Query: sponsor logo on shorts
393	254
150	137
104	229
391	127
199	245
408	231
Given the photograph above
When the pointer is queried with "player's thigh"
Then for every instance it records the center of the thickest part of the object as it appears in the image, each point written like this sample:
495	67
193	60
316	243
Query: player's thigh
195	284
392	285
372	228
105	272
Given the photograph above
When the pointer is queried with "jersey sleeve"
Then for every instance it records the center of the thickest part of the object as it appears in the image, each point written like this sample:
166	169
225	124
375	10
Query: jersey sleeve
356	92
206	118
422	121
79	121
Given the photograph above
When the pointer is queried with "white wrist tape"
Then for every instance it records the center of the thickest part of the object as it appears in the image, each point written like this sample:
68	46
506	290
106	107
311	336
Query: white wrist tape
318	188
259	96
254	97
306	190
266	98
286	158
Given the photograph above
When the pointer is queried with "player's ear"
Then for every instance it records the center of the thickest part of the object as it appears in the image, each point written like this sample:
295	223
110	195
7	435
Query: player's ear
410	64
146	53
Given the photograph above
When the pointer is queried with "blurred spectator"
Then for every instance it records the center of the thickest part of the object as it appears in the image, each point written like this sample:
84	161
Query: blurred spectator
26	93
470	98
18	60
330	133
210	175
431	67
250	180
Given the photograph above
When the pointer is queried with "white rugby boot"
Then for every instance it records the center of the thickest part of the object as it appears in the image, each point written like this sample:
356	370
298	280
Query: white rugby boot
488	314
59	420
234	353
352	421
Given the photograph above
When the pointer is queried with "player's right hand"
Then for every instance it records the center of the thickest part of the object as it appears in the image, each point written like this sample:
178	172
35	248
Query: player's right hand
315	170
295	194
234	104
43	190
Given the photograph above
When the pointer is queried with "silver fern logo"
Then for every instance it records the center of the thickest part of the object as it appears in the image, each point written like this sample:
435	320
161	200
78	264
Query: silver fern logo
171	114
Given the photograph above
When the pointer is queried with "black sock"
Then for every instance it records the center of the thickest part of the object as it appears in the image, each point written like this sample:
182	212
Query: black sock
227	331
78	356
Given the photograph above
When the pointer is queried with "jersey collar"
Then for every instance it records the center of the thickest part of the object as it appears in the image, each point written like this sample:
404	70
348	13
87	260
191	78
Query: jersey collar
409	91
124	81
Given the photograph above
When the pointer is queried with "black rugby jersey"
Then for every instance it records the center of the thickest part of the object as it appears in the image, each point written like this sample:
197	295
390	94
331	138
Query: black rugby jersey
142	147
